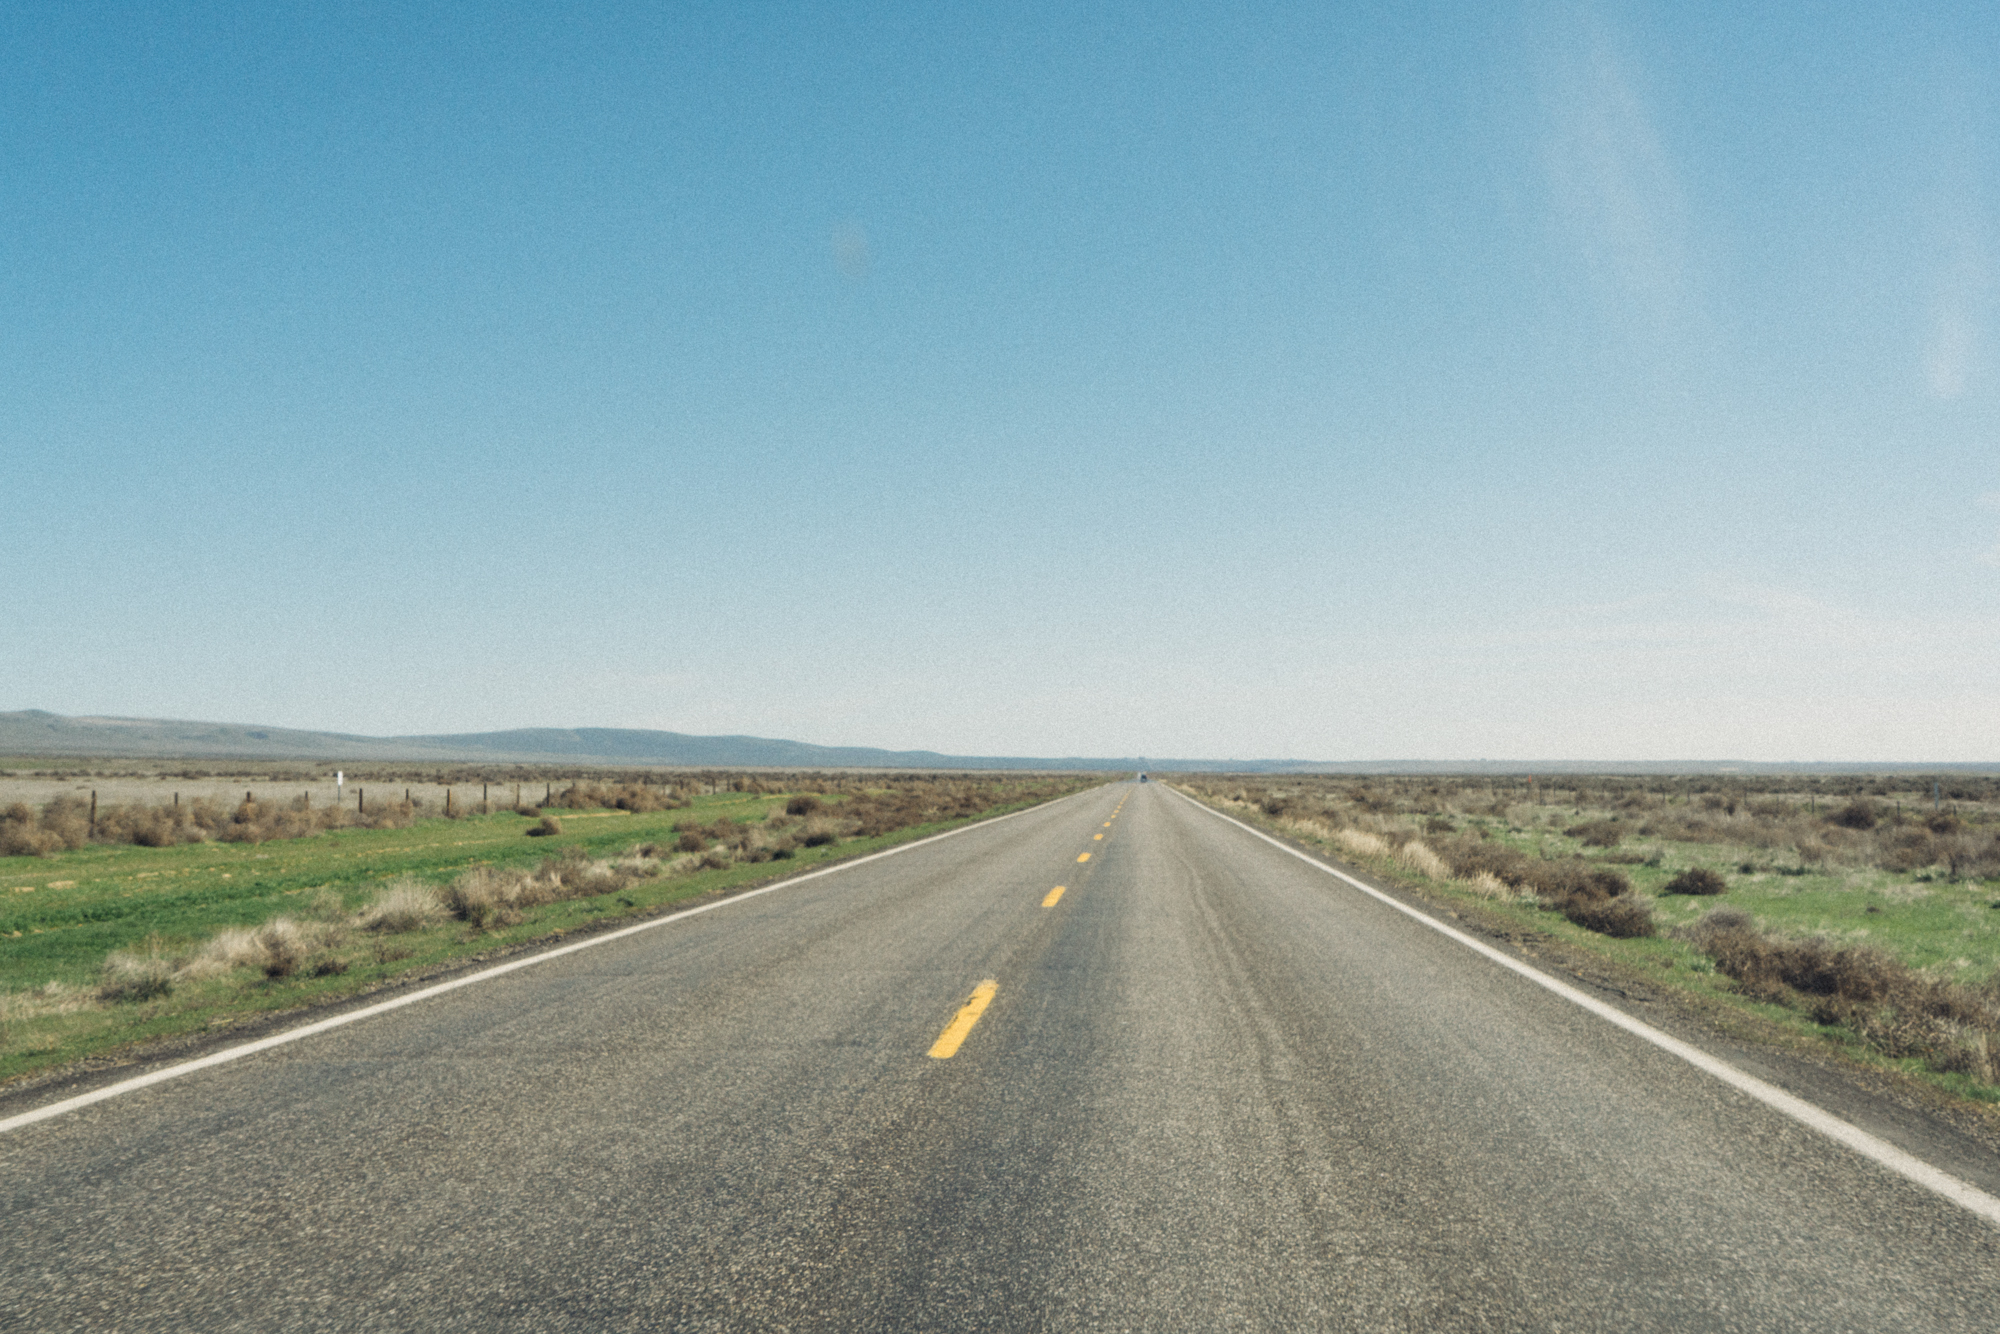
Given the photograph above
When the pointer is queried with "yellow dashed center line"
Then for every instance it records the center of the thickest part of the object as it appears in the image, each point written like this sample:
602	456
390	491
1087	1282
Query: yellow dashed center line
961	1024
1084	857
1054	895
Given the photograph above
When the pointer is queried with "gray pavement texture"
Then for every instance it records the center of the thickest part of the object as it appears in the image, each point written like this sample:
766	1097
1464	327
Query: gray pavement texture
1216	1089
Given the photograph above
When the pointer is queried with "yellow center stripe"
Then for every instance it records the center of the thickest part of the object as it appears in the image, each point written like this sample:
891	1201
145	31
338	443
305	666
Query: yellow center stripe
1084	858
1054	894
954	1033
1095	837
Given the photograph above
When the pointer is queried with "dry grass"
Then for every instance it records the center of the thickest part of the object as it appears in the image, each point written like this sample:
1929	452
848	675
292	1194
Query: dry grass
1595	897
1361	843
136	977
404	904
1417	857
50	998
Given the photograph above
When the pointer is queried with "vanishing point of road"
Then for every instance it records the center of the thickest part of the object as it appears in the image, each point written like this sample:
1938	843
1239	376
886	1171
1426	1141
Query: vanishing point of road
1205	1085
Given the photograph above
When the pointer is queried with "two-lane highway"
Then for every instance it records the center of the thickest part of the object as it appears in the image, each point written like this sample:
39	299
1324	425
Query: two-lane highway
1110	1064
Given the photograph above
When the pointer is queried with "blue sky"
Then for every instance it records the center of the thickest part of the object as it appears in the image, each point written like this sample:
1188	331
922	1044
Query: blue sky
1452	381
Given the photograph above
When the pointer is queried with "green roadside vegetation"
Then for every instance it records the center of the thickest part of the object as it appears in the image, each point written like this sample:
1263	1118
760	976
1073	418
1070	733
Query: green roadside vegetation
107	945
1851	917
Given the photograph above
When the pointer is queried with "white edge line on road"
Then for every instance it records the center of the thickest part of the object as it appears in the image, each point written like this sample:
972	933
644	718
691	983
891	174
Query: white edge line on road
237	1053
1959	1192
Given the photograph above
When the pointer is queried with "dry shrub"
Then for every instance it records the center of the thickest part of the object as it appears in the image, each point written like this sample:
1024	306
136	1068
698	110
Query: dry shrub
65	823
135	977
231	948
67	819
1625	917
1361	843
1970	855
285	947
1768	966
487	897
1419	858
1594	897
1907	849
1557	881
1887	1003
1698	880
26	840
402	905
1598	833
617	796
802	805
760	843
1856	814
483	898
547	826
1561	881
1963	1049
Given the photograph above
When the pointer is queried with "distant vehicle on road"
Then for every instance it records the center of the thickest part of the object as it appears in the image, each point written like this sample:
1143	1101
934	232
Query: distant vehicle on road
1142	778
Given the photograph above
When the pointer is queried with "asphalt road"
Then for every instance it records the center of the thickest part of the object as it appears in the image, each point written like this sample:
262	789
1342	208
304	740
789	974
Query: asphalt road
1213	1089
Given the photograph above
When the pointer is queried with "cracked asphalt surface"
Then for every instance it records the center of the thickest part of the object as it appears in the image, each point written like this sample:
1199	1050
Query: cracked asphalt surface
1214	1089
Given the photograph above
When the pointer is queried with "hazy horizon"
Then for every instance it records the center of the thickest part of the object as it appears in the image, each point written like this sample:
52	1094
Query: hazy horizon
1613	381
241	740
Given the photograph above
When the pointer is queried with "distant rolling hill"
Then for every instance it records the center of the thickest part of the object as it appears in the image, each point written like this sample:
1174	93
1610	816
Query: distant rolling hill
33	732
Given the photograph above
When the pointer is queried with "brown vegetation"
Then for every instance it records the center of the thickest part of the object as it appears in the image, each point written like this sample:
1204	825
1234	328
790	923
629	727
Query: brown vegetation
1848	821
1893	1007
65	823
618	797
1697	880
